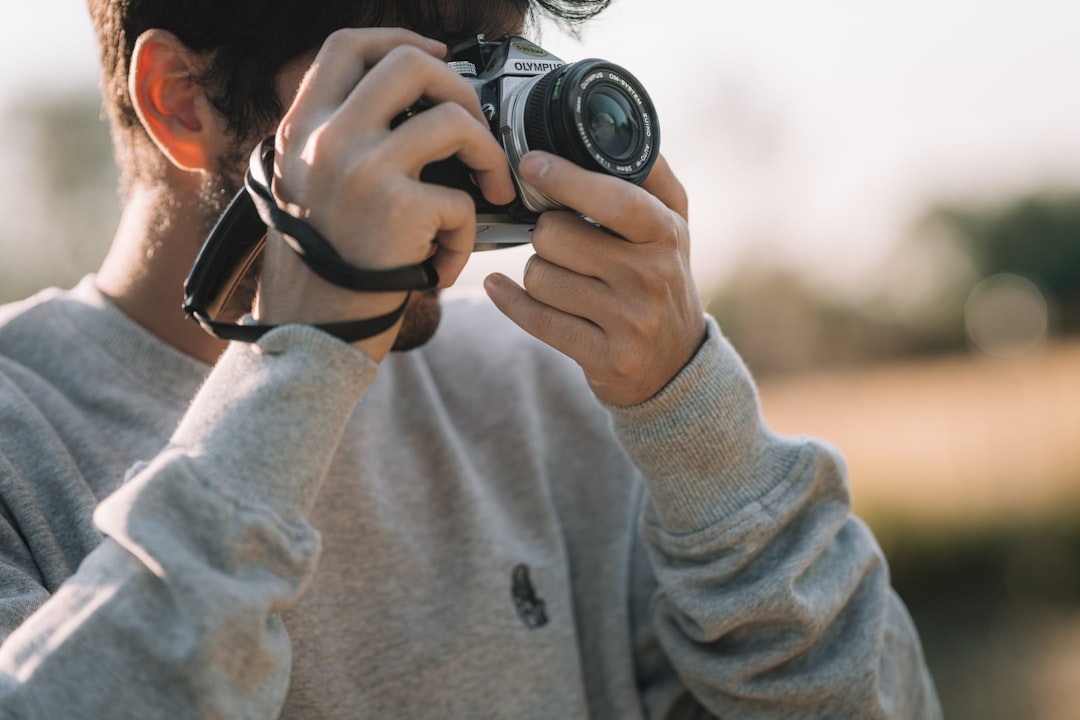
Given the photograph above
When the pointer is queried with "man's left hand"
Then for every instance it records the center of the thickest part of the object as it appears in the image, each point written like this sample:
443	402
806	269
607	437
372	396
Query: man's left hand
617	296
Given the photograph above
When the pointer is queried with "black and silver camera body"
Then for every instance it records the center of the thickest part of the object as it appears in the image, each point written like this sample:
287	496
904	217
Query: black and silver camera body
592	112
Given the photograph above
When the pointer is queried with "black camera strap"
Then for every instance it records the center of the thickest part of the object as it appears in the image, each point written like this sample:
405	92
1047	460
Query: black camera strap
349	330
313	248
238	238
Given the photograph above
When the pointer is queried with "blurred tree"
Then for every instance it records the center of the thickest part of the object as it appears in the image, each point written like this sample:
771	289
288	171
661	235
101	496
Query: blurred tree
784	321
781	323
1036	237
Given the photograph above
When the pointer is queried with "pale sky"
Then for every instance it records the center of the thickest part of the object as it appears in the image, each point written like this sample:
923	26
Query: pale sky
813	131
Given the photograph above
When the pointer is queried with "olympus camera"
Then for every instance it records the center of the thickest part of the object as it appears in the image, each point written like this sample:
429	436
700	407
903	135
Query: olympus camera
591	112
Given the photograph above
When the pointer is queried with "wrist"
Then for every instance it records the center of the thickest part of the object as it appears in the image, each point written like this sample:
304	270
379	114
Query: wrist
290	293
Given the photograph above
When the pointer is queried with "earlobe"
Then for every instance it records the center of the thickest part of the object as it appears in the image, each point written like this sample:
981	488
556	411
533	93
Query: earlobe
170	102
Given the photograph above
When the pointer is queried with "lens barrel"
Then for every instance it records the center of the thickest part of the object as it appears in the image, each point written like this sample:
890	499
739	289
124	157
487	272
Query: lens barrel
596	114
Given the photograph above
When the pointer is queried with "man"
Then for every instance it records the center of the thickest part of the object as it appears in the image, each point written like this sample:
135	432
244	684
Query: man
588	518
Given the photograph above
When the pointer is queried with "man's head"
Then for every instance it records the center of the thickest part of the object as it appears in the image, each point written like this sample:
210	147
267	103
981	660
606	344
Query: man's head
245	44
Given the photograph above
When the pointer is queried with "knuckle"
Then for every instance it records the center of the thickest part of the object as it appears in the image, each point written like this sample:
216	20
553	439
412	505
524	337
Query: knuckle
655	288
651	282
533	275
325	145
540	233
548	230
453	116
669	230
290	127
625	364
460	204
644	331
409	59
340	40
543	323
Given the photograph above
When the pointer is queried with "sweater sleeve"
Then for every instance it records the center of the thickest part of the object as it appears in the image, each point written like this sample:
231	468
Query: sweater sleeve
175	614
771	599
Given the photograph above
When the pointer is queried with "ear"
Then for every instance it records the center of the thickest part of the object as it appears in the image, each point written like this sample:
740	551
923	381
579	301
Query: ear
170	102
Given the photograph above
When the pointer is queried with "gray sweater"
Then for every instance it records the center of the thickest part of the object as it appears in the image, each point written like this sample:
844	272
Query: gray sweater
460	532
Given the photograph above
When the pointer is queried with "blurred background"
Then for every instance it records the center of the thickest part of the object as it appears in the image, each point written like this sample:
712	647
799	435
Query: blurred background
885	204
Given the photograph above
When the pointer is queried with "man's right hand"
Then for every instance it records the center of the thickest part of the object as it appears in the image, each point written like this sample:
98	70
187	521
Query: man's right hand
341	168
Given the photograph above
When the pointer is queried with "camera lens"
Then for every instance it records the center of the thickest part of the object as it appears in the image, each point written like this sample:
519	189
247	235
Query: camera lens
610	123
595	114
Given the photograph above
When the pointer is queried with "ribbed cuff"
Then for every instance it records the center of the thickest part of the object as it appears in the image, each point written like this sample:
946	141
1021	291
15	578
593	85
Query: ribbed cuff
269	418
701	442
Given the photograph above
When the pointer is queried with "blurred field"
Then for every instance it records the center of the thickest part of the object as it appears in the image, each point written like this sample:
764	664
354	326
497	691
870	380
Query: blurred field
952	445
969	471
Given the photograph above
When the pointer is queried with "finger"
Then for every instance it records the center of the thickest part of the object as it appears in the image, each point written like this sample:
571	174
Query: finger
662	183
436	214
565	290
342	61
449	263
607	278
456	232
566	239
624	208
446	130
569	334
400	79
414	214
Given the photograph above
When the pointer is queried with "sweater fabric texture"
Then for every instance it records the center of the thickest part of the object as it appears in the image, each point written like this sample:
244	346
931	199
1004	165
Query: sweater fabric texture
462	531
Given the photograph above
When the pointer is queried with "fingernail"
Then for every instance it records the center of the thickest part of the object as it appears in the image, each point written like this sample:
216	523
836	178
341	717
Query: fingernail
534	165
491	284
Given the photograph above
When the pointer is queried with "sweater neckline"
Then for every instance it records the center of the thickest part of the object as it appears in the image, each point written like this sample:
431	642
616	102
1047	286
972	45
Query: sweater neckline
151	360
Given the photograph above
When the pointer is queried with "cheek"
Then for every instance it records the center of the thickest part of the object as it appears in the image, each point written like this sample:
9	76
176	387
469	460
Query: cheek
420	322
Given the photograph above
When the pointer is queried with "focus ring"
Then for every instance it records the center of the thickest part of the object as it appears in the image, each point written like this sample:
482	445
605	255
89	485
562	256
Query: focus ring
537	134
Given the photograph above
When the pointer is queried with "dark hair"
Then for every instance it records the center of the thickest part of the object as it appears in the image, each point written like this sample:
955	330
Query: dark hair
248	42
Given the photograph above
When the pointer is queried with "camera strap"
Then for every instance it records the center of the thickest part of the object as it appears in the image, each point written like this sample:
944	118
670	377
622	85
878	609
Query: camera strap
313	248
238	238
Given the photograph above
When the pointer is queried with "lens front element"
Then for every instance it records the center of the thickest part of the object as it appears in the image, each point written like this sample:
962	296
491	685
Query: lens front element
596	114
610	123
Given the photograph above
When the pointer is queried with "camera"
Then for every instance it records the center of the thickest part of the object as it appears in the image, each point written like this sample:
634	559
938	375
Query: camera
591	112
